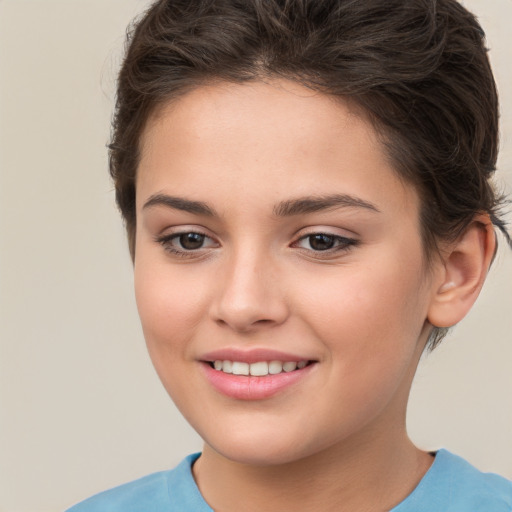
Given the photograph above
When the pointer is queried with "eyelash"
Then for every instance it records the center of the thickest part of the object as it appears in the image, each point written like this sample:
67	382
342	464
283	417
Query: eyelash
166	242
341	244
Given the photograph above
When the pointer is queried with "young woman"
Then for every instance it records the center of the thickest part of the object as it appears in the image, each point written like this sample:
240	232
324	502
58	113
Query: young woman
306	190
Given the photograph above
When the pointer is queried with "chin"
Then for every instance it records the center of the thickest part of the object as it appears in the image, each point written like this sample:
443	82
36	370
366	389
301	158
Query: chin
254	455
262	447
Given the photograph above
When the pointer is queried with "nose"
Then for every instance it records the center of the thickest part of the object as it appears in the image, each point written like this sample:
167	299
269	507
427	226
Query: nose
249	296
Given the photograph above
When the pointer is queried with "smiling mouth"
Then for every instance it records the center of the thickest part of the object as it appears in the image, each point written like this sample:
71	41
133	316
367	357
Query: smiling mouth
258	369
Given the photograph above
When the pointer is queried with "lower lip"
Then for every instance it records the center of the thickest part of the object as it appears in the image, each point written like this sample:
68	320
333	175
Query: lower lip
248	387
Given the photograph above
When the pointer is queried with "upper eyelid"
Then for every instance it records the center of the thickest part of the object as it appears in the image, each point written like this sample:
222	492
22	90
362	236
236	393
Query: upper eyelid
176	234
337	237
320	230
325	232
169	231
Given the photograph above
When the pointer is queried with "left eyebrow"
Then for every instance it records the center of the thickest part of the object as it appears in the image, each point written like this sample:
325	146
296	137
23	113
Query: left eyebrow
311	204
180	203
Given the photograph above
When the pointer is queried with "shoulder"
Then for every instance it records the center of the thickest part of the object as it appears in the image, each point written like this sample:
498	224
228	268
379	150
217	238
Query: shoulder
164	491
453	485
481	491
130	497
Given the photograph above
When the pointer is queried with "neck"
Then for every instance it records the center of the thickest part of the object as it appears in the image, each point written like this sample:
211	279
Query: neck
356	477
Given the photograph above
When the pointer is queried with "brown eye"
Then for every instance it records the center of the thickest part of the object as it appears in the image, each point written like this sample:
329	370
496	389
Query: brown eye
325	242
186	243
321	242
191	241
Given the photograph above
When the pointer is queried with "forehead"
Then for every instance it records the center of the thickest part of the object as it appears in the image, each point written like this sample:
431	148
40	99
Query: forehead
265	139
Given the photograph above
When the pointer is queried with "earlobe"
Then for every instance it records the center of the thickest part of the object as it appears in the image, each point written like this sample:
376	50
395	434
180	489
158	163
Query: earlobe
466	263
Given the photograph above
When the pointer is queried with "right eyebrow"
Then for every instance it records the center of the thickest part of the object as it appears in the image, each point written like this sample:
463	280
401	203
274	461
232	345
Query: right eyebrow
310	204
179	203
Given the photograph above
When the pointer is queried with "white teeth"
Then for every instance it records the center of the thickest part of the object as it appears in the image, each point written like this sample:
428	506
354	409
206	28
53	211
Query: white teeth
240	368
289	367
275	367
259	369
227	366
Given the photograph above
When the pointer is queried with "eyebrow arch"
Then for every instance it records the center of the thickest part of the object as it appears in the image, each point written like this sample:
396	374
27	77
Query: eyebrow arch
310	204
179	203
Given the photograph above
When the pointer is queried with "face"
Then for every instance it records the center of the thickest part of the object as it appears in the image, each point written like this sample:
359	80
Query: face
272	229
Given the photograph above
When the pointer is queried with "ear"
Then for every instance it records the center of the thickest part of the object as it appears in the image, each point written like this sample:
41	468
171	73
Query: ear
461	277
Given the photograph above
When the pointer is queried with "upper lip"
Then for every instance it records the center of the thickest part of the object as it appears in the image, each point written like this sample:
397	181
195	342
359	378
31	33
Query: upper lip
253	355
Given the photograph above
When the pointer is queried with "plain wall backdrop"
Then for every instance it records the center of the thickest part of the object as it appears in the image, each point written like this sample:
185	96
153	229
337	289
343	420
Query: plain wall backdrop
81	407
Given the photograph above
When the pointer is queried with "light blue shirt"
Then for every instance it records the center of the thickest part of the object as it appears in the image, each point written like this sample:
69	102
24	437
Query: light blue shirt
450	485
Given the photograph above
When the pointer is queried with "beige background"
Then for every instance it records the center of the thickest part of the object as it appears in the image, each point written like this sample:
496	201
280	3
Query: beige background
81	408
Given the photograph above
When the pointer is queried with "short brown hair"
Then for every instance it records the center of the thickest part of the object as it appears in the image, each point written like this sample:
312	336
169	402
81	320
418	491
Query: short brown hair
418	68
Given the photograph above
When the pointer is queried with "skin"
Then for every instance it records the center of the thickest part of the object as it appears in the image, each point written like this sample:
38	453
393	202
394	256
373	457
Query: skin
360	312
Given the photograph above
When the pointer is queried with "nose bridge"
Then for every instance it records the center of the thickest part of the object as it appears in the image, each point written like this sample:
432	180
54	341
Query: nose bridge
250	294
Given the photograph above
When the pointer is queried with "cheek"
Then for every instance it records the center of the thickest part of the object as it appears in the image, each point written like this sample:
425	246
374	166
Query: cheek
170	305
170	308
370	313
